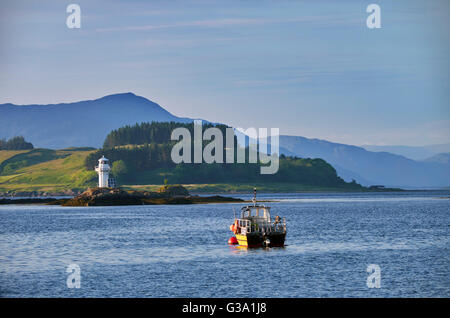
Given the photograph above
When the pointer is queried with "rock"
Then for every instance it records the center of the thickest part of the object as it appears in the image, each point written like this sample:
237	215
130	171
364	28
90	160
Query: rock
174	190
103	197
166	195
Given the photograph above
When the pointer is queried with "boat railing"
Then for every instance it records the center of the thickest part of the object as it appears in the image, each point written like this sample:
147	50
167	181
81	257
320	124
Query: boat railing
262	226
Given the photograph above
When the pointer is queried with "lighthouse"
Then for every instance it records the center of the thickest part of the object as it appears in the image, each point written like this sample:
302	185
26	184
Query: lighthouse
103	170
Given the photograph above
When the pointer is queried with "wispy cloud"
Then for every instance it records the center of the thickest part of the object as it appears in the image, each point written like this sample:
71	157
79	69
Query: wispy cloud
270	82
184	42
218	23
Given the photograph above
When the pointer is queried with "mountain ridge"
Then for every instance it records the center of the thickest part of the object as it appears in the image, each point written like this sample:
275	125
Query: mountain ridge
439	158
382	168
81	123
417	153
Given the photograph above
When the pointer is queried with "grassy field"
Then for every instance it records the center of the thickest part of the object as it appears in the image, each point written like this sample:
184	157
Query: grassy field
6	154
44	170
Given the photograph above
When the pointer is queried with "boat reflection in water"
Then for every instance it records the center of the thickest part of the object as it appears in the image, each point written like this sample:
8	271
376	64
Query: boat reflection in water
255	227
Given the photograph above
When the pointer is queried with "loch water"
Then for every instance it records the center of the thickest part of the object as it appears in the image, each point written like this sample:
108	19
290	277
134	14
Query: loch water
182	251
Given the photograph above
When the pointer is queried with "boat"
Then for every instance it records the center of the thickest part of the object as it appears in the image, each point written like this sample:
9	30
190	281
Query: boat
255	228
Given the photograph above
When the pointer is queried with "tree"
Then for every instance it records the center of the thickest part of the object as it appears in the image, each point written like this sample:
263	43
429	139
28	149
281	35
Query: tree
119	170
15	143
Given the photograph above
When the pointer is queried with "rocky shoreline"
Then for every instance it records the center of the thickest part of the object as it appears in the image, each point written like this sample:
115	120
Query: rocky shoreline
40	194
176	194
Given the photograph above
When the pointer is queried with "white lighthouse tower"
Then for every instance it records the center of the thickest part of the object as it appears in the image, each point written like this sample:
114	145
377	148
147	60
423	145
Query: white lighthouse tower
103	170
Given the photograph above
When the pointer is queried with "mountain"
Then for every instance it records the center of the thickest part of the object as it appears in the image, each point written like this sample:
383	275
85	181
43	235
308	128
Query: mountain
78	124
368	167
411	152
348	176
440	158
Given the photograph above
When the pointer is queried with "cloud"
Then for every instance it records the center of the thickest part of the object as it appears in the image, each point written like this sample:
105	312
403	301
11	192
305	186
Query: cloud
218	23
186	42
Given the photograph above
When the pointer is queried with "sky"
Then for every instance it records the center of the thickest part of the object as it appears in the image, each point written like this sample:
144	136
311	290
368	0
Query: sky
309	68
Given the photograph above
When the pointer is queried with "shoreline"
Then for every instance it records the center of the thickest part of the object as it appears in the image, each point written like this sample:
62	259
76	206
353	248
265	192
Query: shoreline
59	195
208	189
190	199
155	201
174	194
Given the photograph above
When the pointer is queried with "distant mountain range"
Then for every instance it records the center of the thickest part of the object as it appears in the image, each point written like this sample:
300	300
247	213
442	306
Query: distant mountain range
412	152
86	123
78	124
371	168
440	158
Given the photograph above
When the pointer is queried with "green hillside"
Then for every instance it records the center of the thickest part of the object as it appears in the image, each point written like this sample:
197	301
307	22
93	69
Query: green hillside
140	157
143	154
44	170
58	171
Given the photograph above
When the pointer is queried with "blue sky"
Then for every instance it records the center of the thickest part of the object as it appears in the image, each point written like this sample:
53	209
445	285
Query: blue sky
310	68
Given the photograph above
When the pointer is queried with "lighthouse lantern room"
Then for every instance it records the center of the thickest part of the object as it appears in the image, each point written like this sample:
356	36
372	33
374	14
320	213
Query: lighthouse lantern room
103	170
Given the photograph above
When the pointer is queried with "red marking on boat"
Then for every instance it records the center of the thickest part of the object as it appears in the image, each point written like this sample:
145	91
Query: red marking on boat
233	240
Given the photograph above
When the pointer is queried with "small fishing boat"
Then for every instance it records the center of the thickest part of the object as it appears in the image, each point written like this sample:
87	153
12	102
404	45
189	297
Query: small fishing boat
255	228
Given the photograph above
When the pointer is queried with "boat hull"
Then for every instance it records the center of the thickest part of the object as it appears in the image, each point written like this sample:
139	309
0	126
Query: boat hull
258	239
276	239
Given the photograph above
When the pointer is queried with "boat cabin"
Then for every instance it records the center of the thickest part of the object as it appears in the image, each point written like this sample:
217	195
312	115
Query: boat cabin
256	218
256	212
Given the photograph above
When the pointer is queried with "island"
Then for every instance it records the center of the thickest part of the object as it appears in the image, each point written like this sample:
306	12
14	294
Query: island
168	194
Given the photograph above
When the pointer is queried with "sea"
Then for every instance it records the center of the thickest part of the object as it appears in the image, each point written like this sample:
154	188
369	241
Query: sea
385	244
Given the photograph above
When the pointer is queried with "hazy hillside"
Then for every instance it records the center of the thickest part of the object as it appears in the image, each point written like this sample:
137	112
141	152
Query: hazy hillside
411	152
439	158
78	124
375	167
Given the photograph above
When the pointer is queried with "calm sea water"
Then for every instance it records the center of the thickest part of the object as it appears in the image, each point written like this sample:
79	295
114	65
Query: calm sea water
182	251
